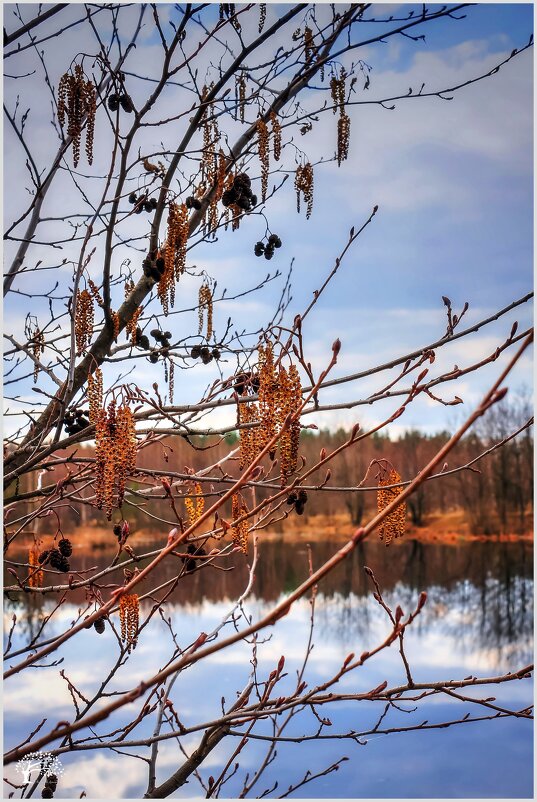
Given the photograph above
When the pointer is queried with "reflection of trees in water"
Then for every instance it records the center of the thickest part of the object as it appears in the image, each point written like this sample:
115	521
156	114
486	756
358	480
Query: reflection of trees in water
30	610
479	593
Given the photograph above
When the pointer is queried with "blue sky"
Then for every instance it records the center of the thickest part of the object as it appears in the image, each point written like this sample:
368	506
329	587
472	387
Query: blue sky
454	185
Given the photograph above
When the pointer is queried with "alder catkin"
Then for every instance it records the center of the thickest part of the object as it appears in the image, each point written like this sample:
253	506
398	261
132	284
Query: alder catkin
205	302
263	151
304	186
239	530
84	318
38	347
394	524
129	616
77	99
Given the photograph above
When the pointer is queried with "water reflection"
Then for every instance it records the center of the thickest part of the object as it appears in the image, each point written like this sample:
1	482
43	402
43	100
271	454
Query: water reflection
480	594
478	620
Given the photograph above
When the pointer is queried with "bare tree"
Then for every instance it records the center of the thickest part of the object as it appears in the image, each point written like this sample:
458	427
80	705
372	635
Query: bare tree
143	166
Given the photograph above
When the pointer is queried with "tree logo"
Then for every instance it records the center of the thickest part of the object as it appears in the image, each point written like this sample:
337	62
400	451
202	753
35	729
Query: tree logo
39	763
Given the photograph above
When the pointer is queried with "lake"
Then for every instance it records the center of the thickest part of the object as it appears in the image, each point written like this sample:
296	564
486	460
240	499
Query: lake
478	620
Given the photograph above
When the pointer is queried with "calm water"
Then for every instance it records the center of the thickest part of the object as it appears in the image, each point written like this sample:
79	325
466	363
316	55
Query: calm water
478	620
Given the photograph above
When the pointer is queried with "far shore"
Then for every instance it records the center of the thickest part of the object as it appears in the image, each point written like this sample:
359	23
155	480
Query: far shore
447	529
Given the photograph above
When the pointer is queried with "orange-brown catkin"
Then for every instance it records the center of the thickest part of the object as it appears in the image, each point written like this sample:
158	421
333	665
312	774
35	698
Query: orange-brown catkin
95	394
133	322
195	504
38	347
84	317
239	531
249	437
174	254
343	137
78	100
268	394
304	186
394	524
263	150
115	454
35	577
205	301
276	136
240	94
129	616
309	47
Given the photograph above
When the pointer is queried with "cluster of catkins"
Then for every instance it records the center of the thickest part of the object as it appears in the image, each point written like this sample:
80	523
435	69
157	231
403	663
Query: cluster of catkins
240	193
75	420
57	558
298	499
267	250
142	203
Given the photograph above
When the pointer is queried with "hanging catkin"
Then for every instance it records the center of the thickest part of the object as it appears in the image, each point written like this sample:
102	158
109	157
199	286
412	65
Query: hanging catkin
394	524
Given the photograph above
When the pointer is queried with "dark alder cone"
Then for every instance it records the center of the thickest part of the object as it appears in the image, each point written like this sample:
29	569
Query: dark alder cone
229	197
65	547
117	530
144	343
148	207
240	383
216	353
113	102
155	333
52	781
243	203
63	565
302	496
88	626
269	252
43	557
243	180
259	249
167	335
153	203
195	352
153	357
126	103
99	625
55	557
275	241
197	204
253	200
47	792
292	498
299	508
190	566
133	197
160	265
189	202
206	356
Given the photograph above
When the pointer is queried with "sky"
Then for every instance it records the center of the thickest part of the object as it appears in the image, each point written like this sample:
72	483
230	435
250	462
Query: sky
453	181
